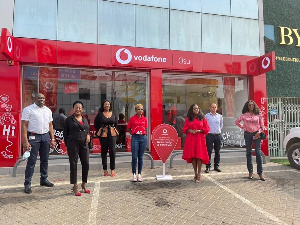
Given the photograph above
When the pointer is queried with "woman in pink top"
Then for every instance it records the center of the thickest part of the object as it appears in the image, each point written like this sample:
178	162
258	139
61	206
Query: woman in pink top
253	125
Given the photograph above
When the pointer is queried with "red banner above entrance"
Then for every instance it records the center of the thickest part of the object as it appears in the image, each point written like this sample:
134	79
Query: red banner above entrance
139	57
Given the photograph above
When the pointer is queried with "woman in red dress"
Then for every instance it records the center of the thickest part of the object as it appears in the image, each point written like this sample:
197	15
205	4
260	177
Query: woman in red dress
195	151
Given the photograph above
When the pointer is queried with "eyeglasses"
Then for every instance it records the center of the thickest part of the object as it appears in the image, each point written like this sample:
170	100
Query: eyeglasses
139	109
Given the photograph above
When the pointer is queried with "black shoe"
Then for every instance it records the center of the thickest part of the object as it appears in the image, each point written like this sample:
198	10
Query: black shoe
217	169
46	183
207	170
27	189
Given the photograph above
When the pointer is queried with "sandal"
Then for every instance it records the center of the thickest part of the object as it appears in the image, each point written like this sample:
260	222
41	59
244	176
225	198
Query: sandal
84	189
198	178
105	173
76	191
250	176
113	173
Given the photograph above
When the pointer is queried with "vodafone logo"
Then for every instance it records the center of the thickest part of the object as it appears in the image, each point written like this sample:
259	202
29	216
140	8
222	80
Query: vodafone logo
265	62
129	56
9	44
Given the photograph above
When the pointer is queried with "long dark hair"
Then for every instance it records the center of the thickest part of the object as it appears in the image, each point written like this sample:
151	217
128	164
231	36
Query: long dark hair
190	113
256	109
102	106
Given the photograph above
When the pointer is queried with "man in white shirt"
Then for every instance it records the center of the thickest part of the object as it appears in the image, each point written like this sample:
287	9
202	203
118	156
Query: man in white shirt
213	138
37	134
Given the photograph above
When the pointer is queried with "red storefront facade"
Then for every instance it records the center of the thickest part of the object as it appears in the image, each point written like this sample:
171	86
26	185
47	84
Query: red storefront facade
156	62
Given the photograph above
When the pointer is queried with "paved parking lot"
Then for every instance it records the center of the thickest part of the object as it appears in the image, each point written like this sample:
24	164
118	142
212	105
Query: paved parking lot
228	197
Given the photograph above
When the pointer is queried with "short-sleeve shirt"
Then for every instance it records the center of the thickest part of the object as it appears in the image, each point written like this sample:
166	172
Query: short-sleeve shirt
38	118
138	125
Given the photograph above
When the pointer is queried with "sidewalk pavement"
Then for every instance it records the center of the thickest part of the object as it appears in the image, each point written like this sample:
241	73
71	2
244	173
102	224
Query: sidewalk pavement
228	197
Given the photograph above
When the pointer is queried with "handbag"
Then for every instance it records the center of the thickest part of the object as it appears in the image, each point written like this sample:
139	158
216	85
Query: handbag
263	136
91	144
102	132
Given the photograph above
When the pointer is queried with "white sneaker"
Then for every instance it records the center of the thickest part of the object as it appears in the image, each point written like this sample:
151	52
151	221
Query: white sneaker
139	178
134	179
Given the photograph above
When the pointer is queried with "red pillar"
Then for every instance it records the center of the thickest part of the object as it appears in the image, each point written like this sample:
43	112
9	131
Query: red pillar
10	110
258	93
156	109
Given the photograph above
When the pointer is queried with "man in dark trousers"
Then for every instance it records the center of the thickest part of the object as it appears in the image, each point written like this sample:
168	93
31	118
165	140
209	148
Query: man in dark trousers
37	134
213	138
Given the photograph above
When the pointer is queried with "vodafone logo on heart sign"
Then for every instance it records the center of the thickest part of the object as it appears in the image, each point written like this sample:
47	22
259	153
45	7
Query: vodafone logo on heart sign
164	140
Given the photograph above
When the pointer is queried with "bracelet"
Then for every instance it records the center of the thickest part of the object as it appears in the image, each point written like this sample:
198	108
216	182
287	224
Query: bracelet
53	139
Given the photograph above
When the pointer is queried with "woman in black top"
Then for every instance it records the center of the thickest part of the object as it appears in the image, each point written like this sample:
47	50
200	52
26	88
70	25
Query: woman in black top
76	136
107	119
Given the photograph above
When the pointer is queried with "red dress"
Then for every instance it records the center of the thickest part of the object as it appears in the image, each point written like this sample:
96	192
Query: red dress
195	144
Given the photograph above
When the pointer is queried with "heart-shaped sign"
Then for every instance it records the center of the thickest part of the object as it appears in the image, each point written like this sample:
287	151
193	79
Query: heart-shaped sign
164	139
4	98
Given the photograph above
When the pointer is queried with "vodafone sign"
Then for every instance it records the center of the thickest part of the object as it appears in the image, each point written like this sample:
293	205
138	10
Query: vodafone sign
260	65
6	46
140	57
267	62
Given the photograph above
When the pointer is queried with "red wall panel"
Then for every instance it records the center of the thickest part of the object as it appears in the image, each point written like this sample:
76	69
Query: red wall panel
77	54
10	106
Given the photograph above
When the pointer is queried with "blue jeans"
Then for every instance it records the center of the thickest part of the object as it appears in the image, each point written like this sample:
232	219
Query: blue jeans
40	144
248	139
138	145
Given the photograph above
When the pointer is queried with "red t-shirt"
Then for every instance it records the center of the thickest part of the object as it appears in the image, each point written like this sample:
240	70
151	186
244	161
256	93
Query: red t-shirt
137	124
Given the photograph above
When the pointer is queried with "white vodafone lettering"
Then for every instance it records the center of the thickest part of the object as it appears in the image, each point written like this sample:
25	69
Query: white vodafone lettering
263	62
144	58
147	58
9	44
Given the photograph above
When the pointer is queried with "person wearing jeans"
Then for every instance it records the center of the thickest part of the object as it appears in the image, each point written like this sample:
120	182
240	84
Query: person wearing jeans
37	135
137	126
253	125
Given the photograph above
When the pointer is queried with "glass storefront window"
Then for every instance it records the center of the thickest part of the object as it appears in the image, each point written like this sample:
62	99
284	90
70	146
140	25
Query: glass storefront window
63	86
229	93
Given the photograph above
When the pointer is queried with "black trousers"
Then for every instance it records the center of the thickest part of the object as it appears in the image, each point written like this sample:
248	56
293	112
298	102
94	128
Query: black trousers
108	144
213	141
78	148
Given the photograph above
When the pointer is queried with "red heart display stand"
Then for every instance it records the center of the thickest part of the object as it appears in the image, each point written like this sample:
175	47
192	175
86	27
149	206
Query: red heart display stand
164	139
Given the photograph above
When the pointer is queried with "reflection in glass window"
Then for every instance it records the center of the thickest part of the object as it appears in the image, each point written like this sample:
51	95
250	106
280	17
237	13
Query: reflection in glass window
187	5
83	25
185	31
216	34
63	86
244	8
116	24
245	37
156	3
27	17
229	93
219	7
152	27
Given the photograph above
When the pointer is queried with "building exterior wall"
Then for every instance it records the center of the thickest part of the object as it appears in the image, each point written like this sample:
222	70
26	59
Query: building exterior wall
201	48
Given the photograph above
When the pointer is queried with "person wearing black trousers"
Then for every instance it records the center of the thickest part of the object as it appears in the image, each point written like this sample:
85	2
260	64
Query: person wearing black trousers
77	137
213	138
107	121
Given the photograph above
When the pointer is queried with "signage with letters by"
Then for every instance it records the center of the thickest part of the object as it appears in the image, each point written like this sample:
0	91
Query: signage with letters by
288	35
